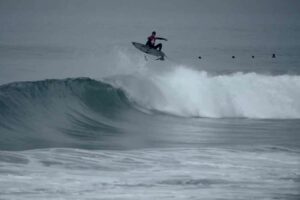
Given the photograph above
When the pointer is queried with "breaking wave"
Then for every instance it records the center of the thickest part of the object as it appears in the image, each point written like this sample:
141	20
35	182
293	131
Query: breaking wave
190	93
81	112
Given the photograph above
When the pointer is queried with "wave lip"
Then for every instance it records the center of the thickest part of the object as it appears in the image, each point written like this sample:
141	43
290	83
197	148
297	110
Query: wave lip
46	92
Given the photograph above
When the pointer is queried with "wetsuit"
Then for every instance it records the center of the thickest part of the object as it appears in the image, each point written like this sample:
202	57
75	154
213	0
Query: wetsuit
151	42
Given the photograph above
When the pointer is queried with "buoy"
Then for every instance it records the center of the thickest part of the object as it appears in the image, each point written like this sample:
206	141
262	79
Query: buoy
233	57
252	56
273	55
199	57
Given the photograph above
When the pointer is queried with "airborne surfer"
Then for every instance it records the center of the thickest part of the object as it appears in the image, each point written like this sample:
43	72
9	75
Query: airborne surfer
150	47
151	41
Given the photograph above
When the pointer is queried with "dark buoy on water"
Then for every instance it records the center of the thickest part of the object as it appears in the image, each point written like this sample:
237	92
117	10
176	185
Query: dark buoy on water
233	57
199	57
252	56
273	55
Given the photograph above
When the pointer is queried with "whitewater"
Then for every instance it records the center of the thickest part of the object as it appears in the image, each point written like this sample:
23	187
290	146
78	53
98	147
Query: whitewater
190	93
85	115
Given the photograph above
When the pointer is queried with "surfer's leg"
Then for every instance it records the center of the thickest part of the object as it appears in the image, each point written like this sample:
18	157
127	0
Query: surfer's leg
150	46
158	46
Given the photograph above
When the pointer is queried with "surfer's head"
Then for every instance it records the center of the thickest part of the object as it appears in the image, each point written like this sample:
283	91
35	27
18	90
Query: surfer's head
153	33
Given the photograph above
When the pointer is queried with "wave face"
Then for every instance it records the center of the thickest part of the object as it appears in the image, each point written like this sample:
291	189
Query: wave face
58	112
190	93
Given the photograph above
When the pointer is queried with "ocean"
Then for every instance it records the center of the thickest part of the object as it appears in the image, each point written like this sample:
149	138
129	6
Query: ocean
85	115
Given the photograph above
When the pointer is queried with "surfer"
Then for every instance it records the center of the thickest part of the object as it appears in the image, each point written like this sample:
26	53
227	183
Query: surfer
151	41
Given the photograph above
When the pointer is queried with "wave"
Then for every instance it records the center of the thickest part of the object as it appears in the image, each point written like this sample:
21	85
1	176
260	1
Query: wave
114	113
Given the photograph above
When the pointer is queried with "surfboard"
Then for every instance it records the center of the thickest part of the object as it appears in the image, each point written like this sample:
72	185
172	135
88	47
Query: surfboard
146	49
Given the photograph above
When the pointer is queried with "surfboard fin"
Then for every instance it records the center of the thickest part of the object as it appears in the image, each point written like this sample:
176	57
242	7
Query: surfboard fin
161	58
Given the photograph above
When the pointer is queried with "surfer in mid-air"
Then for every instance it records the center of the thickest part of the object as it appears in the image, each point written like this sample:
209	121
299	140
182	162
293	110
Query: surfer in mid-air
151	48
151	41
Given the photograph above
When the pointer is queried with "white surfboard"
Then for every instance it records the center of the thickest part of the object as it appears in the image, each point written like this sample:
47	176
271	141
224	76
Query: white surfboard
146	49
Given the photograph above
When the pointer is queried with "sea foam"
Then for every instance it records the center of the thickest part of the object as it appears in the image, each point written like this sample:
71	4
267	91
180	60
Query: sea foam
187	92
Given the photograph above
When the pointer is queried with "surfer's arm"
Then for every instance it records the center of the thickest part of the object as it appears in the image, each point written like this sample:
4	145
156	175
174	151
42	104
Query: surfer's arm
160	38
